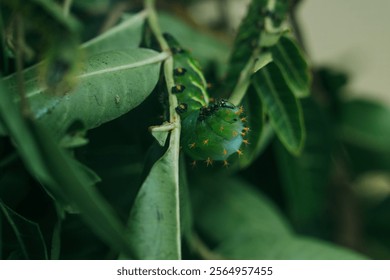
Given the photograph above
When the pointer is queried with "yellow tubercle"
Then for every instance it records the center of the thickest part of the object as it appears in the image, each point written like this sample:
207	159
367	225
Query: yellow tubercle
209	161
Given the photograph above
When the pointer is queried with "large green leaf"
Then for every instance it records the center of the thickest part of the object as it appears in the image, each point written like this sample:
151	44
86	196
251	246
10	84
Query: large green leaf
305	178
243	224
154	222
186	215
28	234
225	207
270	247
61	176
366	124
111	84
293	65
365	129
282	107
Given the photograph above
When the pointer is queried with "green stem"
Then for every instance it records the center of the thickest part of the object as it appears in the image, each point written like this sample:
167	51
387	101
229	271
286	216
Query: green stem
174	118
201	248
243	83
153	22
67	5
168	65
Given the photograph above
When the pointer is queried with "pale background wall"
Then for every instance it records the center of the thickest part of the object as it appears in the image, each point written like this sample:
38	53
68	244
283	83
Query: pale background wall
353	35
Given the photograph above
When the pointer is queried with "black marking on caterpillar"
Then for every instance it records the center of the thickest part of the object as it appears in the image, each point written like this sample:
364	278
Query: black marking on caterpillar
179	71
178	88
182	108
210	130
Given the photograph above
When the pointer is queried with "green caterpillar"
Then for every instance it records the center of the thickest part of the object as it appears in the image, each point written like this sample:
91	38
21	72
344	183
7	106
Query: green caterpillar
210	130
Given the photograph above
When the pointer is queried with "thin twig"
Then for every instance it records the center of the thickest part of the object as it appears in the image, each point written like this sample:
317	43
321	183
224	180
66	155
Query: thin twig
201	248
66	8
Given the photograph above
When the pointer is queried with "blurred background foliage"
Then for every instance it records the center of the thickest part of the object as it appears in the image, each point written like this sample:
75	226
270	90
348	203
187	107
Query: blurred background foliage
336	193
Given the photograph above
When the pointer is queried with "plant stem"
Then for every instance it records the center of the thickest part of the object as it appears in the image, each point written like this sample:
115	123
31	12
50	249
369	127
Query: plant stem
168	65
174	118
243	83
153	22
201	248
67	5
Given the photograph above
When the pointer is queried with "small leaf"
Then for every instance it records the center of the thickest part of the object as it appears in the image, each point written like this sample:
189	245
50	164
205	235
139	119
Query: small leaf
28	234
262	61
293	65
283	109
154	222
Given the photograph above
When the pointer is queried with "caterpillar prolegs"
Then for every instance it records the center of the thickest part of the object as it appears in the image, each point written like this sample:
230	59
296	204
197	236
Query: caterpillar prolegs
210	130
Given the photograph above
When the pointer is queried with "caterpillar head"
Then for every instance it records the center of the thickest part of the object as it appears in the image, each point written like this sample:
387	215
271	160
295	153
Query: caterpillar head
213	132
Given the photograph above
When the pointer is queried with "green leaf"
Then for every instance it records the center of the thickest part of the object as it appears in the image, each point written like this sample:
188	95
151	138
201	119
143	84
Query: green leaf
28	234
126	34
366	124
364	128
231	207
305	178
282	107
154	222
186	215
61	176
259	134
293	65
271	247
111	84
243	224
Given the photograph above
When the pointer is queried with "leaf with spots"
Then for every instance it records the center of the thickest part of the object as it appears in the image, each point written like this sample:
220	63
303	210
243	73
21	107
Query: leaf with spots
110	84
